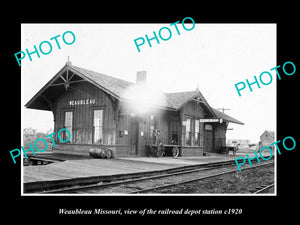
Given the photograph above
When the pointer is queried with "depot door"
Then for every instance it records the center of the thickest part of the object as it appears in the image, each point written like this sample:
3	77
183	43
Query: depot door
208	138
133	137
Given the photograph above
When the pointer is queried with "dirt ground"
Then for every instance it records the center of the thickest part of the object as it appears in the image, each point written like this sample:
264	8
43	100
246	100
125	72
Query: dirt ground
237	183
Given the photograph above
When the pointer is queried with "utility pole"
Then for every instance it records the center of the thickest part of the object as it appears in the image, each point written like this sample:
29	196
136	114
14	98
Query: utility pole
223	109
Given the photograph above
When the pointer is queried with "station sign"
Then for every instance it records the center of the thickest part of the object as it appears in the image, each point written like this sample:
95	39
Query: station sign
83	102
210	121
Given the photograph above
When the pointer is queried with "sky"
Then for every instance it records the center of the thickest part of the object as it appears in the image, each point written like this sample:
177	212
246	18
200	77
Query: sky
212	57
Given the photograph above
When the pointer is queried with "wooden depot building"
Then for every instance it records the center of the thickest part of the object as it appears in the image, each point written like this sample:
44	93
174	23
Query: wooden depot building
103	110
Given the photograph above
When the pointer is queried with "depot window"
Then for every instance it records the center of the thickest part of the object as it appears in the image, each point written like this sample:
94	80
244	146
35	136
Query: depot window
68	123
98	126
197	133
188	133
208	127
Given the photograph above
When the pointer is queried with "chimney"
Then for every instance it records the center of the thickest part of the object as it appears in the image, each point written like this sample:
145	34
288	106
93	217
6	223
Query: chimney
68	62
141	77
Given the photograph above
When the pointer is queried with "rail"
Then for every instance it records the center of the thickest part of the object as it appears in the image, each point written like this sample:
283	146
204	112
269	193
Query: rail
263	189
143	184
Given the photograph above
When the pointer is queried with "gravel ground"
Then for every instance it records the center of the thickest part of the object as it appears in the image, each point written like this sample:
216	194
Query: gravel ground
237	183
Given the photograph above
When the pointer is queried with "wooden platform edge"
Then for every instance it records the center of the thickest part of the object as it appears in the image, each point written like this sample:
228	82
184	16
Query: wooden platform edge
40	186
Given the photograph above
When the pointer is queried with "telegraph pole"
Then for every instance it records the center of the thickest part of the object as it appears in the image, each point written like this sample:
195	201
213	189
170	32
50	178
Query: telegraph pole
223	109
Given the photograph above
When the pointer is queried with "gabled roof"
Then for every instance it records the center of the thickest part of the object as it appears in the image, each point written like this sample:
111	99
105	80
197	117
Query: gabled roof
115	87
111	84
179	99
271	133
71	74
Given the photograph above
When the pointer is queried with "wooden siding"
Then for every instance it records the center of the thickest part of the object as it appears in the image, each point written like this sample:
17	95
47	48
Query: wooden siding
123	130
220	134
160	119
192	110
83	149
208	141
83	113
191	151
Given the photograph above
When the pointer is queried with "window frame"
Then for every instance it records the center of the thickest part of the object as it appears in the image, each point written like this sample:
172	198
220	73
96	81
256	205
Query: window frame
188	134
68	127
100	126
197	134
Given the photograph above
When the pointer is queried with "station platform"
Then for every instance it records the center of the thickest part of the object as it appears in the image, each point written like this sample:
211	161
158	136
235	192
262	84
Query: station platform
73	167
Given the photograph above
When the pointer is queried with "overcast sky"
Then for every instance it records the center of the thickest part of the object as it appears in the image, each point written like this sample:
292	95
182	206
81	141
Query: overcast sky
213	57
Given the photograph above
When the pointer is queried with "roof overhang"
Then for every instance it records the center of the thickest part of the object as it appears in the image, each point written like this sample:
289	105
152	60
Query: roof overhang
45	97
226	118
199	98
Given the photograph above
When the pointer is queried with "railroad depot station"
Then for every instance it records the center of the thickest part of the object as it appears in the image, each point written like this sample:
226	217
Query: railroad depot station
101	110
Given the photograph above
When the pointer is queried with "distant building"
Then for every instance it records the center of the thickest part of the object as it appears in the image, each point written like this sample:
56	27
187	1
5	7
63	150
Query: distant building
29	133
242	142
267	138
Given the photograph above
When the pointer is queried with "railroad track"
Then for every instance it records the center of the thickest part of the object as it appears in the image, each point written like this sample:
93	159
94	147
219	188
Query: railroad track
263	189
154	183
47	186
201	178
